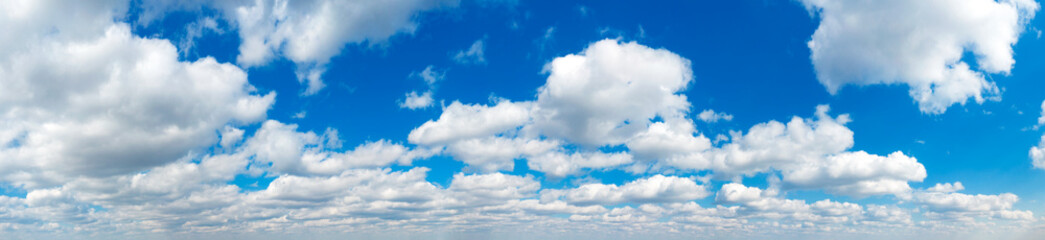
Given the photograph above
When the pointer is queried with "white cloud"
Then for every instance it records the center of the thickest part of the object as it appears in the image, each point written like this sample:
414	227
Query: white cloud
112	120
280	145
430	75
459	121
1037	154
414	101
44	197
755	202
887	214
552	207
1041	119
810	154
230	136
737	193
657	189
710	116
494	187
947	187
110	103
558	164
369	184
310	33
305	153
85	95
858	174
607	95
610	92
380	199
943	202
196	30
497	153
921	45
473	55
775	145
161	184
662	140
164	197
55	21
831	208
370	154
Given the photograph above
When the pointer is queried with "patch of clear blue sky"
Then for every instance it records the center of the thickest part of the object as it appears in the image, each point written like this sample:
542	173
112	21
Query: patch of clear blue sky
749	58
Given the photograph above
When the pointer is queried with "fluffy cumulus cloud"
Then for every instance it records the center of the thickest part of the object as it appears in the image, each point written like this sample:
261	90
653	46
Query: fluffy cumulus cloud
285	150
859	174
559	164
87	98
607	95
756	201
610	92
808	154
497	153
944	202
603	96
570	115
461	121
494	186
737	193
663	140
921	45
414	100
751	202
310	33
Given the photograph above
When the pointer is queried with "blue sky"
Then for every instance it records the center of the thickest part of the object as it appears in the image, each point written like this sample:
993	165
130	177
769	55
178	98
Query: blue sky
811	119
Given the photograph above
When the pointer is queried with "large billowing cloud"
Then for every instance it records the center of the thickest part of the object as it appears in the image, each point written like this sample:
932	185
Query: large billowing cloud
920	44
610	92
87	98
